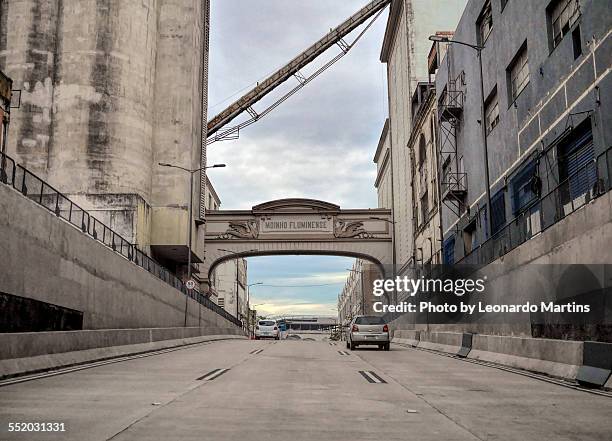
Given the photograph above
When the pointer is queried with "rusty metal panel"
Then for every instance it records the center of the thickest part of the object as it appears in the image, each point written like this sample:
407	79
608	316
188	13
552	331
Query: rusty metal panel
6	85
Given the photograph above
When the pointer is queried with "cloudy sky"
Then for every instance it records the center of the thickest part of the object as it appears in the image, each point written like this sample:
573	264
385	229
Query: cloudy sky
319	144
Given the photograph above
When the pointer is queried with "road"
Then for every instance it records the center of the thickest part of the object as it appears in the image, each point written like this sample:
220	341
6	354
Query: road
302	390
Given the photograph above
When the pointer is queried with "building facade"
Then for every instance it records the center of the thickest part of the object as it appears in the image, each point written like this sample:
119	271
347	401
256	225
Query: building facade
227	286
547	127
405	49
231	288
424	183
108	91
357	297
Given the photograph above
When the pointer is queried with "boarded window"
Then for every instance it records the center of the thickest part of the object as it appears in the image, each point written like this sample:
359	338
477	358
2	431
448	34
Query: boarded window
519	73
498	208
492	111
485	23
522	188
577	170
449	251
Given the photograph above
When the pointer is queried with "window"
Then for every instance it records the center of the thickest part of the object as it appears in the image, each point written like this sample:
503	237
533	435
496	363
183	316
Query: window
485	23
425	207
576	166
562	15
470	241
221	302
519	73
491	111
449	251
422	151
522	188
369	320
498	208
577	42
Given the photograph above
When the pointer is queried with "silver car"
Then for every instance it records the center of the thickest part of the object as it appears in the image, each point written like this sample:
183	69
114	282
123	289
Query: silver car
368	330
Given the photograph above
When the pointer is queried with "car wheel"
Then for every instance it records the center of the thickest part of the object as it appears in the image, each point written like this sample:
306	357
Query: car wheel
387	346
381	346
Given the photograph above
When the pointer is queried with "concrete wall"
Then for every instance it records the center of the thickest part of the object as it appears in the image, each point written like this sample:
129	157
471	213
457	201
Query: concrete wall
582	238
28	353
47	259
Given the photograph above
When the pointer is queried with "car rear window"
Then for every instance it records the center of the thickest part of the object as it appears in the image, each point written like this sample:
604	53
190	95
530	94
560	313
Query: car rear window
369	320
266	323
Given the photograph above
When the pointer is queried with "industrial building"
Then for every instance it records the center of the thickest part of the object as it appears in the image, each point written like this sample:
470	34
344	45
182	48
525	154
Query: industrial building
108	91
546	94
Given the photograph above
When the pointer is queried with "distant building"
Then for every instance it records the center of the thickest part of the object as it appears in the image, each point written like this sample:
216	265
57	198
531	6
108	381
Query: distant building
357	297
310	324
229	277
404	51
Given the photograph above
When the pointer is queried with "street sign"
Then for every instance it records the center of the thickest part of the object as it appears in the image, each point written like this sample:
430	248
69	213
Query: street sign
190	284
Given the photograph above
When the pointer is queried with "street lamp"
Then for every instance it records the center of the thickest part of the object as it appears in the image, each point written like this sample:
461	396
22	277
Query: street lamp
478	49
191	173
237	275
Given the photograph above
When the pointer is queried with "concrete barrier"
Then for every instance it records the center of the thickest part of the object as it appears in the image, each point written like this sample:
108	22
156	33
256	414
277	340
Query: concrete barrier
449	342
26	353
565	359
558	358
406	337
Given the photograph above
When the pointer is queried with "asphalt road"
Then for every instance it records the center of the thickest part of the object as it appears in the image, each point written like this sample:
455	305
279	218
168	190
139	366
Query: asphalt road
302	390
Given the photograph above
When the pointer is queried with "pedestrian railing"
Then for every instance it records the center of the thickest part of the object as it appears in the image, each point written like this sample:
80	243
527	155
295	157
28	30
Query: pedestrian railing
37	190
587	183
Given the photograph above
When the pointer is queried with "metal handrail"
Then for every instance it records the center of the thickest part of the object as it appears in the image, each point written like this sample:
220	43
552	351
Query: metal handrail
559	203
37	190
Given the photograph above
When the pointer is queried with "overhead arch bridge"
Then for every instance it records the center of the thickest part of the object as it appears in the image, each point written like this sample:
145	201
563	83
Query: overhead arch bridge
298	227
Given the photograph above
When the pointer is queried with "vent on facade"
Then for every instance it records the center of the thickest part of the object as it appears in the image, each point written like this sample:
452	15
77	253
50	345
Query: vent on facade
221	302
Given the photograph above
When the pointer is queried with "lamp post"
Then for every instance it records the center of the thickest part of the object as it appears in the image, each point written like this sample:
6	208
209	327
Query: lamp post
478	49
191	173
237	274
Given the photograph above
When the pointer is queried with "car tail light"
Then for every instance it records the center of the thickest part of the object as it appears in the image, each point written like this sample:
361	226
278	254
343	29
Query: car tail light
257	327
275	328
355	328
385	328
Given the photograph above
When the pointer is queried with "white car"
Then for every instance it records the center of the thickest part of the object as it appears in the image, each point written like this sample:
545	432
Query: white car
267	329
368	330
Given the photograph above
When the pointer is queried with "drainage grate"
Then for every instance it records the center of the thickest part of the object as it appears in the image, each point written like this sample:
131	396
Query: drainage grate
213	374
256	351
372	377
343	353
